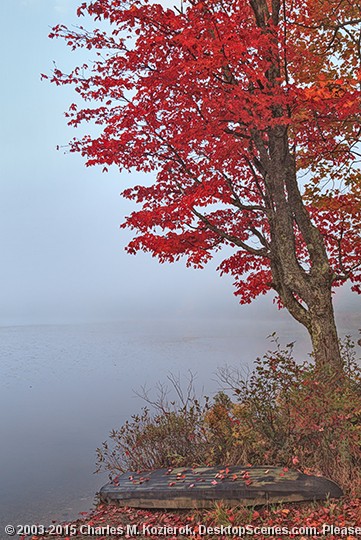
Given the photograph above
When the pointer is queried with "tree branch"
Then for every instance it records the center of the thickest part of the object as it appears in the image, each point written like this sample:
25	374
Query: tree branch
233	239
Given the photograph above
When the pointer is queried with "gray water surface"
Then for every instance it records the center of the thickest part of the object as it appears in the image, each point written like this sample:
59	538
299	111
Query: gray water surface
63	388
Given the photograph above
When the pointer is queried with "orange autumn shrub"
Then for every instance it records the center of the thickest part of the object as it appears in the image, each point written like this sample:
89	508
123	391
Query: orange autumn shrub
286	414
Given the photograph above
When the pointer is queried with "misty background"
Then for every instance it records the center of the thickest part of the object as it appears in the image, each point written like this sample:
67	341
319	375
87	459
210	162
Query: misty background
63	256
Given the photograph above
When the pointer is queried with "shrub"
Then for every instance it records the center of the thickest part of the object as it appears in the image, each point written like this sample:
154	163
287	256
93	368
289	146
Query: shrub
283	413
164	434
286	414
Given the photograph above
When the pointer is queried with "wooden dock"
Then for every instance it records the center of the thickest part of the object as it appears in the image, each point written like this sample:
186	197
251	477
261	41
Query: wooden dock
201	487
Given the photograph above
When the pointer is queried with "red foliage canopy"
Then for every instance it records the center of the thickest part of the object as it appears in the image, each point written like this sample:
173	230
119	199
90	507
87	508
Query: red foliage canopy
191	94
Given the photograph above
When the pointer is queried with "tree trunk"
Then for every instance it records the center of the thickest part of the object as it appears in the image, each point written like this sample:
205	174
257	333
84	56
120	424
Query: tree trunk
305	292
316	314
325	341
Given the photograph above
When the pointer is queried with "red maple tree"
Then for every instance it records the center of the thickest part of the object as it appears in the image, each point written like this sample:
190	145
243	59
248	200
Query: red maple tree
248	112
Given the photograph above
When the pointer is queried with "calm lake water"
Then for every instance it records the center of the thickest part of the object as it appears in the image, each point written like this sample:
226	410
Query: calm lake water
63	388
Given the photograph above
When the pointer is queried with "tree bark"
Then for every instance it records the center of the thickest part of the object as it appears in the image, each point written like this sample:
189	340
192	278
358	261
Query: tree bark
325	341
305	292
316	315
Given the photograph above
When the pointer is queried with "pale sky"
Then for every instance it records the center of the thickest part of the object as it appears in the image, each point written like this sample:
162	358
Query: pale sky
62	250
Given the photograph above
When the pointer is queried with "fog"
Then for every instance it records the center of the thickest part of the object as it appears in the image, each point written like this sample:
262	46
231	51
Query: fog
63	255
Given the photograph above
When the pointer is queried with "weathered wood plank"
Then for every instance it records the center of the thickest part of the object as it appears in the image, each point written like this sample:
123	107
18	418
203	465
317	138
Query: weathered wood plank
201	487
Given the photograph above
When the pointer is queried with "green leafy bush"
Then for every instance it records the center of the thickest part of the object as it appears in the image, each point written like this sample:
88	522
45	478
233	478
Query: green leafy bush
149	441
165	433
